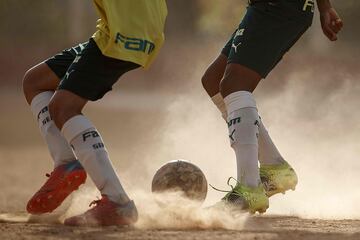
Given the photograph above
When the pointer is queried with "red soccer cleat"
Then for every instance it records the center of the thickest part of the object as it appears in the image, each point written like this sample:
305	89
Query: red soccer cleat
105	213
62	181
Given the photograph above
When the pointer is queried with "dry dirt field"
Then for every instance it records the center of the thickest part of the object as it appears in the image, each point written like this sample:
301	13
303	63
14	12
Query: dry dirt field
269	227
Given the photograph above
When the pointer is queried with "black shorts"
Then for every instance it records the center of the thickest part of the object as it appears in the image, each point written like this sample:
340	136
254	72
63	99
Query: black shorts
85	71
268	30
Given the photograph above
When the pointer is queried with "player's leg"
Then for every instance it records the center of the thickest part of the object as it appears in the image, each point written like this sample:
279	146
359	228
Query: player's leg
87	79
272	162
66	110
260	41
38	79
39	85
211	82
268	153
240	112
237	86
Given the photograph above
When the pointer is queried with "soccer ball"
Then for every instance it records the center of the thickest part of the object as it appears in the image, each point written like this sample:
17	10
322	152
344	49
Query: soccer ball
181	176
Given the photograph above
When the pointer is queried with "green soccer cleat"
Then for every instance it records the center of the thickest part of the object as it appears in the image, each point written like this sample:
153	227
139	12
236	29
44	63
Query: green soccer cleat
245	198
278	178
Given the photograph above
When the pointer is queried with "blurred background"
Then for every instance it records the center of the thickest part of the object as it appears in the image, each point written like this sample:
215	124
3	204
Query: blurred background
309	103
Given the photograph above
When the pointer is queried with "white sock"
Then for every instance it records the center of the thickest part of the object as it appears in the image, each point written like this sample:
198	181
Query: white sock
268	153
91	152
59	149
243	120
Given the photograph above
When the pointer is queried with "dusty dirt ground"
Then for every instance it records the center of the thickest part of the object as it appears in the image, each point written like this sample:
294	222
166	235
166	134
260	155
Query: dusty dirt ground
22	172
267	227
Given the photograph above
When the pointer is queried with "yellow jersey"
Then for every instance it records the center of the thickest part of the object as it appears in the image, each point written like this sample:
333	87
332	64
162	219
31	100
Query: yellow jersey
131	30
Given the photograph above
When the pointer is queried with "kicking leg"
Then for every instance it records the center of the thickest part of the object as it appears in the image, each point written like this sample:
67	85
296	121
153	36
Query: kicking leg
273	167
238	82
268	153
242	117
236	87
241	114
252	53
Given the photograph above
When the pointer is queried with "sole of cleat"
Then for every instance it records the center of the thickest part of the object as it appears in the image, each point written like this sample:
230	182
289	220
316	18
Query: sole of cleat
46	203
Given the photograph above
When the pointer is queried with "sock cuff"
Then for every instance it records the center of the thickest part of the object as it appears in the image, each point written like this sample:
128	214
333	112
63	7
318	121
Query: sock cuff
218	100
40	101
74	126
238	100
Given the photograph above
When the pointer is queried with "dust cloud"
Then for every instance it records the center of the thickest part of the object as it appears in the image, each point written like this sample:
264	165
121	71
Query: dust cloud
165	211
309	105
182	213
315	126
317	131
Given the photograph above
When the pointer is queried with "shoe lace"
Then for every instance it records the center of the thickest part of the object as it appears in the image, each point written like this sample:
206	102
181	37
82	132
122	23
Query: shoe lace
228	183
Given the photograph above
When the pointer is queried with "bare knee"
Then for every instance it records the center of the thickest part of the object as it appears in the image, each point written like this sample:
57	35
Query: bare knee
226	85
238	78
65	105
29	84
207	83
230	84
60	112
38	79
213	75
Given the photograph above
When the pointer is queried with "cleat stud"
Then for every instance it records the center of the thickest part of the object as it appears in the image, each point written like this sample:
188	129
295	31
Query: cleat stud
50	196
38	200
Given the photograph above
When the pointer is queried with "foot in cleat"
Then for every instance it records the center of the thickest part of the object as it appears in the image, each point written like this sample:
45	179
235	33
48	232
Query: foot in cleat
61	183
106	213
245	198
278	178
